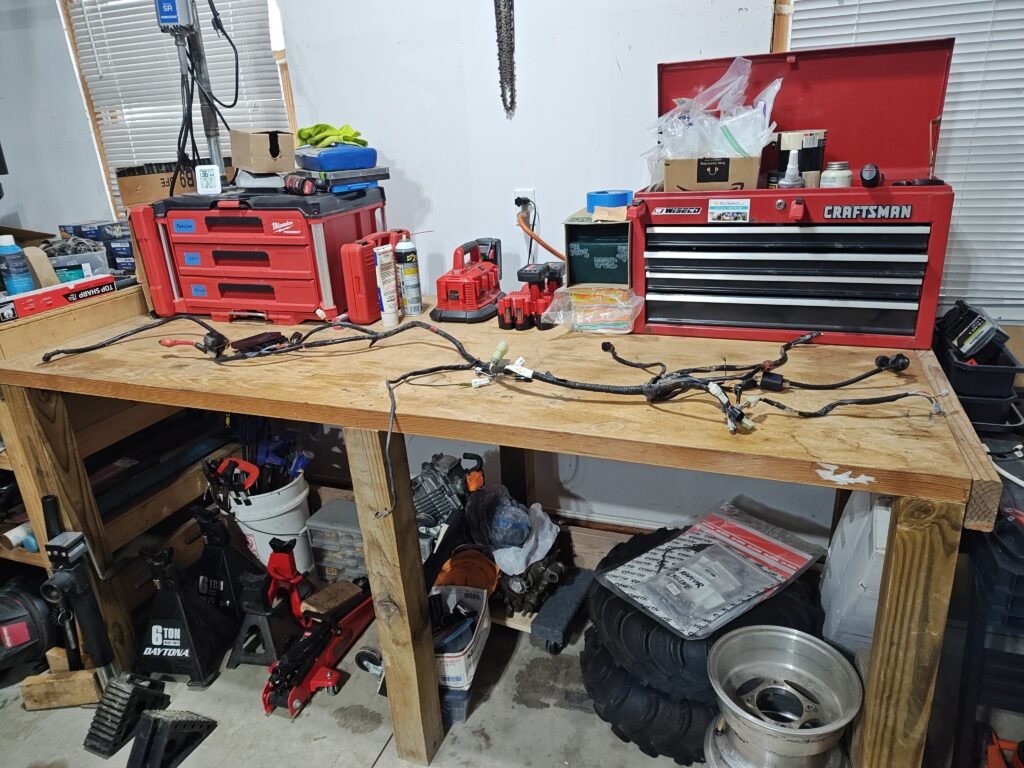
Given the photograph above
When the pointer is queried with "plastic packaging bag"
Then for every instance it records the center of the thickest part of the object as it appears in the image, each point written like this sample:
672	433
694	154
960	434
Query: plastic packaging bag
515	560
715	122
594	308
704	582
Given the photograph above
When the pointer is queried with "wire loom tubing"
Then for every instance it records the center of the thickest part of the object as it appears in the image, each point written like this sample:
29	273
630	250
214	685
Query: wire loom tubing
663	385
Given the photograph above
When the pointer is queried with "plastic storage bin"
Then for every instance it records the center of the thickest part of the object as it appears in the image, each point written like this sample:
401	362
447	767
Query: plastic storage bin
994	380
75	266
336	541
987	410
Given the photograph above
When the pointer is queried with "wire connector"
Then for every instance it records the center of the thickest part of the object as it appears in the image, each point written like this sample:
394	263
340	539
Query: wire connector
519	368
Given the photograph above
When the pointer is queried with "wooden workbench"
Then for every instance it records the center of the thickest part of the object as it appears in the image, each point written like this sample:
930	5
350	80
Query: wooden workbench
933	463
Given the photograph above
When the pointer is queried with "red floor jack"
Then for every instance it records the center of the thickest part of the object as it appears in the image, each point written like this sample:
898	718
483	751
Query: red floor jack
358	264
309	664
523	309
469	292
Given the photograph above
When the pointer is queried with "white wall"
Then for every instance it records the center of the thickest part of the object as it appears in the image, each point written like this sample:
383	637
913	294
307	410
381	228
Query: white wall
55	174
420	80
425	93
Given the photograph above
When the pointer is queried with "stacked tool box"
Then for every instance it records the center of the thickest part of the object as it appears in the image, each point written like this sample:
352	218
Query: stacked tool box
252	253
863	264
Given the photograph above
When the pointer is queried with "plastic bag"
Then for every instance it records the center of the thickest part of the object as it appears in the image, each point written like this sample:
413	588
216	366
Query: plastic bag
715	122
515	560
594	308
705	582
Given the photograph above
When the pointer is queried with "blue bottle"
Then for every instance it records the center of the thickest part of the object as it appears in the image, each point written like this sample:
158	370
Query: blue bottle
14	267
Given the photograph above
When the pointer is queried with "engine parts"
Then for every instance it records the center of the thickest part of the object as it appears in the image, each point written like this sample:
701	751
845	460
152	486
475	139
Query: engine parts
524	592
441	487
785	699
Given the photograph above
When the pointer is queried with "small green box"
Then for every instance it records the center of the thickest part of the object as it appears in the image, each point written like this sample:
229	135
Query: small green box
596	251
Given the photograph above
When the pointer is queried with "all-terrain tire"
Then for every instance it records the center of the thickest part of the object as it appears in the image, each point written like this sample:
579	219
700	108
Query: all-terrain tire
657	724
659	658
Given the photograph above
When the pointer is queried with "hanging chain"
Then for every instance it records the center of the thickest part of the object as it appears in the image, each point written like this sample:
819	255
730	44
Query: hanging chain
505	23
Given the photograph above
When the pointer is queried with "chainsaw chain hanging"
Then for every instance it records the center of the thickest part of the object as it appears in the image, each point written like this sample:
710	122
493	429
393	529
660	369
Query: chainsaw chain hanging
505	24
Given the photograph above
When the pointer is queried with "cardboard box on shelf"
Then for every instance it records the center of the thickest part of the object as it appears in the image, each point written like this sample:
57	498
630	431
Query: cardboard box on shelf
456	670
711	173
263	151
26	237
97	229
148	183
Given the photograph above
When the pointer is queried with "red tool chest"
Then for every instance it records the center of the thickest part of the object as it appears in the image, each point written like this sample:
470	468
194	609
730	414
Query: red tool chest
863	265
248	253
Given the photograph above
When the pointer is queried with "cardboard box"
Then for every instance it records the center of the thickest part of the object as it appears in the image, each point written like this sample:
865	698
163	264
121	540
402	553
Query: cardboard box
44	299
120	255
263	151
711	173
95	230
596	251
142	188
456	670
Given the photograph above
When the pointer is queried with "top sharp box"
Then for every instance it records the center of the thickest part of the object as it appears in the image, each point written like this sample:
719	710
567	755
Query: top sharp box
263	151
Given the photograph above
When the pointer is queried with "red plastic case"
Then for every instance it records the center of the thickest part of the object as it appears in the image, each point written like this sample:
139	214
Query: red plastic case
245	253
863	265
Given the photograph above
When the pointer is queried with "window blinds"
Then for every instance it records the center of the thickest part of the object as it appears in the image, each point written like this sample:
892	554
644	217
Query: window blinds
981	144
131	71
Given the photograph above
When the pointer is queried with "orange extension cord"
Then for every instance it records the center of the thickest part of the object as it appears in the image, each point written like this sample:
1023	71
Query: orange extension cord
521	218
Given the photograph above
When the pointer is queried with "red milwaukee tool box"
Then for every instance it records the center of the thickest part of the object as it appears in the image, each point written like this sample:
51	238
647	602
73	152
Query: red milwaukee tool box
862	264
251	253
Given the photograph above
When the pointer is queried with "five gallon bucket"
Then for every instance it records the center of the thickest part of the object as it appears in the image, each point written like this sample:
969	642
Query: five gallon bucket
279	514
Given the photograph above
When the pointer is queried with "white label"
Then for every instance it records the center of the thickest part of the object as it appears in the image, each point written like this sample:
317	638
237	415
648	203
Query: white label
729	210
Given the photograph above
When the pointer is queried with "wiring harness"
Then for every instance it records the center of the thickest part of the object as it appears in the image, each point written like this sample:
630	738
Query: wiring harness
717	381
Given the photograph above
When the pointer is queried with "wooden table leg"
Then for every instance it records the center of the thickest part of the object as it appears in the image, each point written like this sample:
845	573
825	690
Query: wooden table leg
44	455
916	583
517	473
399	594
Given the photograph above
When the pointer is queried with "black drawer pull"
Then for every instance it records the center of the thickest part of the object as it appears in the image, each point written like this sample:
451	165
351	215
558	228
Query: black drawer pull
246	288
241	256
247	222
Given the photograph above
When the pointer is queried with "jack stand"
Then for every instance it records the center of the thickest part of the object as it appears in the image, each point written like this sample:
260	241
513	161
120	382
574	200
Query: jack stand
186	635
166	738
285	577
266	632
221	566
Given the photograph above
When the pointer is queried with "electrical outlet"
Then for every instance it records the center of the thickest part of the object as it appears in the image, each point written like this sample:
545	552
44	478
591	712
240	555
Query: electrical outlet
526	192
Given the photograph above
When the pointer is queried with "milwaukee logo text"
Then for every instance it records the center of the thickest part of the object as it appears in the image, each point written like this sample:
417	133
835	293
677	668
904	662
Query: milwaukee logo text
284	228
868	211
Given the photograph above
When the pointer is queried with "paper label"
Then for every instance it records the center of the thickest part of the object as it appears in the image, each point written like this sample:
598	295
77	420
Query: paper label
729	210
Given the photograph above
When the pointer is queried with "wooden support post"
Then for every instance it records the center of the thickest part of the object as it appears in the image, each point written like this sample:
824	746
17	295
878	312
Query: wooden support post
916	583
517	473
36	427
399	594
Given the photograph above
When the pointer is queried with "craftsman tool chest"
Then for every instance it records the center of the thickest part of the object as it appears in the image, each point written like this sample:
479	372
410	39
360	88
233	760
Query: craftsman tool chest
862	264
249	253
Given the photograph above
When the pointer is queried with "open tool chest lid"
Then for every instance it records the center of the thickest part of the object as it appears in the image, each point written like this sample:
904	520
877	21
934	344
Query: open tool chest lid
311	206
879	103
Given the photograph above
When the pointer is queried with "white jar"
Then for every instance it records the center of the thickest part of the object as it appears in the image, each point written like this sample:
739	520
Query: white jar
837	174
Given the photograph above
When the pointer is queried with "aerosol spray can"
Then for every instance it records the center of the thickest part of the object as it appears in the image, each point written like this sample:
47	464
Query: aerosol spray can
408	268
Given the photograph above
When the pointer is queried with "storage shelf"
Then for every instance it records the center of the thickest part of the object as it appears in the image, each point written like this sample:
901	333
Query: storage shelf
20	555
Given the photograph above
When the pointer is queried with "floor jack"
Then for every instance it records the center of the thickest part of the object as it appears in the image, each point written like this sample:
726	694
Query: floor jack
221	566
186	635
309	664
469	291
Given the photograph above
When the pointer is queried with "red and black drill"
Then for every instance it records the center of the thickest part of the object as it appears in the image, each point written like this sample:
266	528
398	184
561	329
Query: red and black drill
523	309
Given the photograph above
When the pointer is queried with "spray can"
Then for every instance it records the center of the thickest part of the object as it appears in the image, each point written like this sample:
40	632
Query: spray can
408	267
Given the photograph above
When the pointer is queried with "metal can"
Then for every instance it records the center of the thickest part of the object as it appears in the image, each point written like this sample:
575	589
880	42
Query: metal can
408	268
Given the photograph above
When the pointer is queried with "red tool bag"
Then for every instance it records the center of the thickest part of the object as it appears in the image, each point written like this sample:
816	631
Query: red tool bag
250	253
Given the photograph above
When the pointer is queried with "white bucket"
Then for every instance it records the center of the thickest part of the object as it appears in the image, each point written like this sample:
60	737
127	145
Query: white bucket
279	514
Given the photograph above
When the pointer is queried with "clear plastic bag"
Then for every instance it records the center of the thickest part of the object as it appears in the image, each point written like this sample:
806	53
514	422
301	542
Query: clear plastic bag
704	584
594	309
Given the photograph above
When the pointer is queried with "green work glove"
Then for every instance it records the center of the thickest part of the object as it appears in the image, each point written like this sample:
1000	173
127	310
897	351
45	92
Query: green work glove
324	135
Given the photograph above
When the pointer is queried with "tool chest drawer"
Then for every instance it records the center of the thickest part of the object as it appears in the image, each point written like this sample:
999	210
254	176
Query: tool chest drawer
237	226
223	295
289	262
901	288
887	317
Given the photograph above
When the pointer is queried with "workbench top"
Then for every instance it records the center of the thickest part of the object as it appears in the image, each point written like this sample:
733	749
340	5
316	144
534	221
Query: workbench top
900	448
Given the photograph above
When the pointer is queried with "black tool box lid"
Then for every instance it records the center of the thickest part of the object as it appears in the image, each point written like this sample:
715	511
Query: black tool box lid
311	206
879	103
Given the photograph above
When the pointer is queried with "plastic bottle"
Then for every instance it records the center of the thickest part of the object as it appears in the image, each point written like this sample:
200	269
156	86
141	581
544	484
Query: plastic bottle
14	267
408	267
792	179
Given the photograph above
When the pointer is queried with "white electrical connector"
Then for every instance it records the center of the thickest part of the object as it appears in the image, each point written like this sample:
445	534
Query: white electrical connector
321	314
481	381
519	368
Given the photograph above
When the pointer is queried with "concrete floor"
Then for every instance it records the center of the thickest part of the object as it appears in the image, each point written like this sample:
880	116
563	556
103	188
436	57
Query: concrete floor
528	710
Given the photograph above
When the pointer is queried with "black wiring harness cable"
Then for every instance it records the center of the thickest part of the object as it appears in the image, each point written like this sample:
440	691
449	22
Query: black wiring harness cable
663	385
